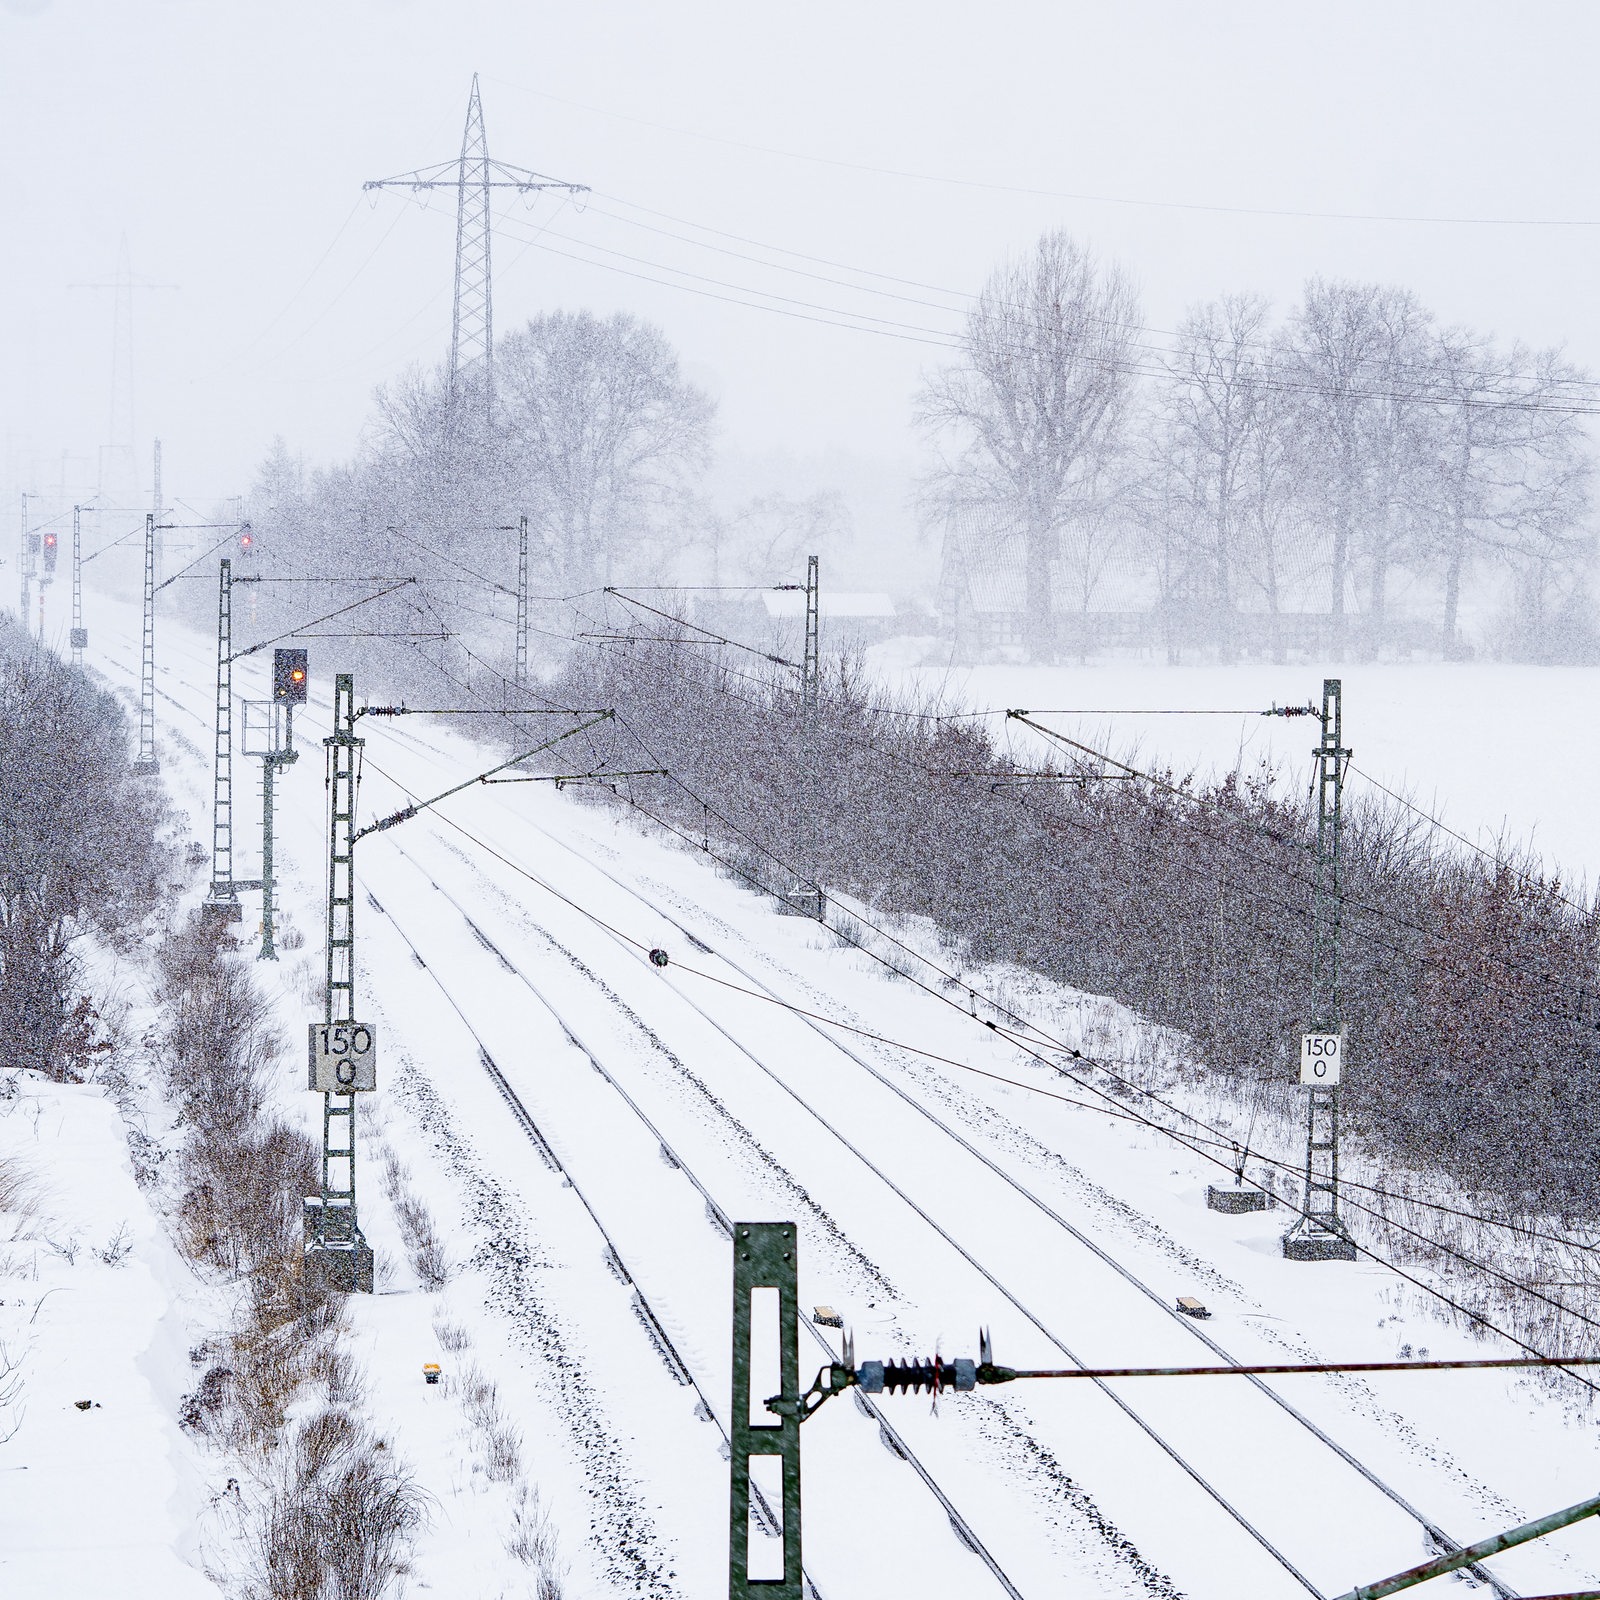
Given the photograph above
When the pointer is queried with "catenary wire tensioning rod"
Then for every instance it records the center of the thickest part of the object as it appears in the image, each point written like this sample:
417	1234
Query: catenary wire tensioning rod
1116	1399
1429	1526
530	1127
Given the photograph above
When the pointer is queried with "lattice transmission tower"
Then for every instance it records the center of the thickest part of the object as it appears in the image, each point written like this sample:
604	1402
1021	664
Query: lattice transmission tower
474	176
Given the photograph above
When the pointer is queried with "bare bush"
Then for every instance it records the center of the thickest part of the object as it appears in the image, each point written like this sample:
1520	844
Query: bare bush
452	1337
338	1524
19	1200
1466	983
424	1248
533	1542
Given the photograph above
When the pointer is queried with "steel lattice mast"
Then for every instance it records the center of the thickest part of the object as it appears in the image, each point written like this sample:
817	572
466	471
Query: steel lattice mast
806	897
146	764
474	176
521	673
79	635
337	1255
1319	1234
223	898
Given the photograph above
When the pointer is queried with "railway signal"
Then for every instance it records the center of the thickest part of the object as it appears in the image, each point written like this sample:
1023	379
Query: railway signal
289	683
50	553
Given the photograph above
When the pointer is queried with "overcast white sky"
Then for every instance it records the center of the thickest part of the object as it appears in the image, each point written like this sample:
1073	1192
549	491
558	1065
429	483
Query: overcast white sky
229	141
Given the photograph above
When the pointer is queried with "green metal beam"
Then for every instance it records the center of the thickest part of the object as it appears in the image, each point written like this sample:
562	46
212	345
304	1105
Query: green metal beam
1477	1552
764	1257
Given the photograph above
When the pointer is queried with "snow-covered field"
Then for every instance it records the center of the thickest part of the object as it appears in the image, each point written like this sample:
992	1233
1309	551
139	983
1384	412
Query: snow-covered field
503	943
1489	750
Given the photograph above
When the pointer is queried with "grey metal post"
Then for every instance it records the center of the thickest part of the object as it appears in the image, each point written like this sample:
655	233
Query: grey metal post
764	1257
520	674
25	566
222	899
337	1256
806	897
146	764
79	635
1319	1234
279	755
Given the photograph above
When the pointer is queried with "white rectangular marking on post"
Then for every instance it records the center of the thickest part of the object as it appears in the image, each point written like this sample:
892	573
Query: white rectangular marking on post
766	1356
1321	1057
764	1555
341	1057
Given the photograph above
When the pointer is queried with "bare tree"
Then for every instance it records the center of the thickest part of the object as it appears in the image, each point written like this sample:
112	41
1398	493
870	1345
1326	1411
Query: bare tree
1355	352
1510	466
1030	418
767	538
1214	420
604	433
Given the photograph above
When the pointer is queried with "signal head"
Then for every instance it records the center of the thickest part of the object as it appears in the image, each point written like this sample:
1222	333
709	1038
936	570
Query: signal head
289	676
50	552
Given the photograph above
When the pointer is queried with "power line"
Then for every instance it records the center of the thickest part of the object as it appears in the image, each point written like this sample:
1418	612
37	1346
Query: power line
1063	194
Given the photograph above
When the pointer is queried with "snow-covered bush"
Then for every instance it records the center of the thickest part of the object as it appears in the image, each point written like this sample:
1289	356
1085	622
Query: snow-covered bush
80	850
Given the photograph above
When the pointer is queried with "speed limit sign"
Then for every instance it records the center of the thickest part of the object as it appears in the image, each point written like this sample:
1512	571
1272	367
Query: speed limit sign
341	1057
1321	1056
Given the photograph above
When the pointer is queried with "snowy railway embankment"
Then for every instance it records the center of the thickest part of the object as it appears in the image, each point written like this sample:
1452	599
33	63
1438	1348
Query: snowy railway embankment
582	1122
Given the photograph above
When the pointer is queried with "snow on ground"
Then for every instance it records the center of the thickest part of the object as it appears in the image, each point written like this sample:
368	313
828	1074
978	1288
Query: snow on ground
522	939
1486	748
103	1498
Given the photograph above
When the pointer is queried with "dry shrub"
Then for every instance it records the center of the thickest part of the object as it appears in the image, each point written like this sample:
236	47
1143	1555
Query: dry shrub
533	1542
339	1523
19	1200
424	1248
452	1337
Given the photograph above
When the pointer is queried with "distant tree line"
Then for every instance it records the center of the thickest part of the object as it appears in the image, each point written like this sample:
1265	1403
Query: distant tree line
1356	441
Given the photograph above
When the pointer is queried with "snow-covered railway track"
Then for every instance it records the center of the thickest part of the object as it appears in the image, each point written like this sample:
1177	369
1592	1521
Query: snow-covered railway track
1428	1526
1435	1535
675	1362
755	981
1013	1437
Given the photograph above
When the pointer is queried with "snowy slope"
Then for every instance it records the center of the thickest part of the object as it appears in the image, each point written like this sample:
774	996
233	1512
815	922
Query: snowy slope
510	927
108	1499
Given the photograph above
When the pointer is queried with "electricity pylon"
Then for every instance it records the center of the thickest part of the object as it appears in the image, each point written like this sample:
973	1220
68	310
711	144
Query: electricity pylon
118	483
1318	1234
473	176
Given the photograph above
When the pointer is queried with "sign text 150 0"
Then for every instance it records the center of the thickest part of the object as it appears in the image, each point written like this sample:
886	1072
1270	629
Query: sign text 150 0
341	1057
